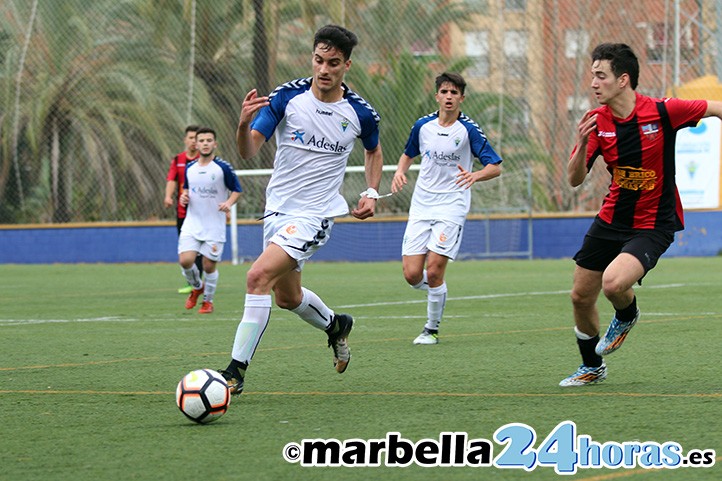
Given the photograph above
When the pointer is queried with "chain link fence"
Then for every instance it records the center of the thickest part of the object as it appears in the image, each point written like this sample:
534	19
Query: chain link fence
94	96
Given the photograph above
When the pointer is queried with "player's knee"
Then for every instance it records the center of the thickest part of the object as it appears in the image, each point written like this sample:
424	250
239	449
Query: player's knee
613	286
413	276
286	301
256	281
185	263
580	299
434	277
411	279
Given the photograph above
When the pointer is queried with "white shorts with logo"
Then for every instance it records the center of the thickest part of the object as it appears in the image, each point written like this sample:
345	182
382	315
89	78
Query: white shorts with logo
439	236
299	237
211	250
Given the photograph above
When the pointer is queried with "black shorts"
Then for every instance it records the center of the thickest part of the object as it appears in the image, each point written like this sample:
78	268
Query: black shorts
603	244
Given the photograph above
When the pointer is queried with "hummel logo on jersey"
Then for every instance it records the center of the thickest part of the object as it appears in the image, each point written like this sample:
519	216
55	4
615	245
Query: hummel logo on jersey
324	112
297	135
603	133
442	134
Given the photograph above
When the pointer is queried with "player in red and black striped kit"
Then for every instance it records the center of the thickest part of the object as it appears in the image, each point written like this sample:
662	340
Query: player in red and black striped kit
174	187
635	135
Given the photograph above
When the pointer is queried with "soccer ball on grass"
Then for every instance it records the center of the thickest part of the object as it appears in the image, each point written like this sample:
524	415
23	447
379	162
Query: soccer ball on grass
203	395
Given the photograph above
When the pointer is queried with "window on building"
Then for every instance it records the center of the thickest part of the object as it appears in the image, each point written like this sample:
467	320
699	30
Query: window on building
477	49
659	38
515	54
576	43
424	47
576	107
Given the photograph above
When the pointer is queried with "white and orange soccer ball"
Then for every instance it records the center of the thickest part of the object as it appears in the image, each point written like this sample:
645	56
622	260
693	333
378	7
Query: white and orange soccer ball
203	395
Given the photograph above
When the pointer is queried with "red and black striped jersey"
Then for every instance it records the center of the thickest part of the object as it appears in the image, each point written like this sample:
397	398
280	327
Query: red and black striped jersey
639	152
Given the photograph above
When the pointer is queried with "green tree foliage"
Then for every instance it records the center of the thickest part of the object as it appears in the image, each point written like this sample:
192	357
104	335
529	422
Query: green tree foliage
108	86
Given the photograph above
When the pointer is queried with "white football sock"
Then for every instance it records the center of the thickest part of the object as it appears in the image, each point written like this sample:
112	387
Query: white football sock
256	313
435	306
313	310
193	276
210	286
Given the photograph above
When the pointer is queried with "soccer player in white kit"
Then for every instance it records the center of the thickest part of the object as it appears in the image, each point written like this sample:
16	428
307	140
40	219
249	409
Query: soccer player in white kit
447	141
210	188
316	121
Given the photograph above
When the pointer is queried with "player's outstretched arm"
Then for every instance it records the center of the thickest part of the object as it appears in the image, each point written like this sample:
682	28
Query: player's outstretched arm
249	141
170	187
399	180
374	164
466	179
228	203
714	109
577	165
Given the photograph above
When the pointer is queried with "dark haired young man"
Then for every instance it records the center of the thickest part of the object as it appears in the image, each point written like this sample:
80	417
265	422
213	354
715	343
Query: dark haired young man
635	136
210	188
316	121
174	186
447	141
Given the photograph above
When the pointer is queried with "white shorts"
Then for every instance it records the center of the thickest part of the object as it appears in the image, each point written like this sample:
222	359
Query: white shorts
299	237
211	250
439	236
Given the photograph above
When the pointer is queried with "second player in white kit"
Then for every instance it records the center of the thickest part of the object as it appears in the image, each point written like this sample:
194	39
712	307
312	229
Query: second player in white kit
447	142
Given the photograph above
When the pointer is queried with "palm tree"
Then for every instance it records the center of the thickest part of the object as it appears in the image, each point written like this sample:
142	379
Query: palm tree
92	103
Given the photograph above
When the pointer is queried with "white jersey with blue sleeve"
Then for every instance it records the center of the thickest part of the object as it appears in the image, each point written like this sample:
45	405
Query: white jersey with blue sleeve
436	195
208	186
314	140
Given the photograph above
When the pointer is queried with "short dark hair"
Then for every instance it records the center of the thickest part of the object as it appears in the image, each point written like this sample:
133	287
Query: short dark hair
334	36
192	128
453	78
621	60
206	130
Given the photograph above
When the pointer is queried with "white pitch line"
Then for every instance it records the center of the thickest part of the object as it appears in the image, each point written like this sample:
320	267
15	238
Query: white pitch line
19	322
463	298
493	296
26	322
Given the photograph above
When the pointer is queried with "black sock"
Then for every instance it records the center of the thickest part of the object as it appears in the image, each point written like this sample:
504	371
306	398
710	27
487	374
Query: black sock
199	264
628	313
237	369
586	348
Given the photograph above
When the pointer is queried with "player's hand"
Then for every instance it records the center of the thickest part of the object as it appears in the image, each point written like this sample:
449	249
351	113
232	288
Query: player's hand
585	127
168	202
398	182
365	208
465	178
252	103
184	199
